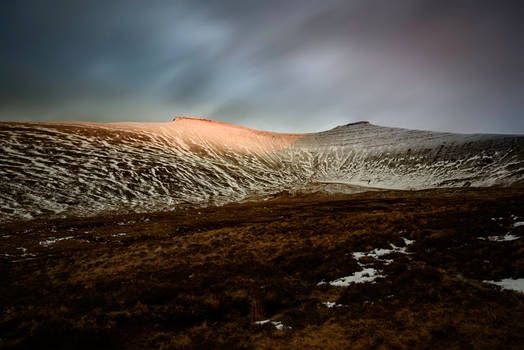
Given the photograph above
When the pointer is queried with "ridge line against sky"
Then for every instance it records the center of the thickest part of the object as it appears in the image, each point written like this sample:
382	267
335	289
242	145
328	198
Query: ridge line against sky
285	66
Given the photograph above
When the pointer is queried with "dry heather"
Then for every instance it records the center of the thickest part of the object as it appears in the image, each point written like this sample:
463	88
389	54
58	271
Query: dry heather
202	278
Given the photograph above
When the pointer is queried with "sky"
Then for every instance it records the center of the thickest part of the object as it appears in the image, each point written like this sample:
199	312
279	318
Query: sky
288	66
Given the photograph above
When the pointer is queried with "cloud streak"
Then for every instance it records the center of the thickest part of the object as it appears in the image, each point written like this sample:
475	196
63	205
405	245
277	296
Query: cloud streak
285	66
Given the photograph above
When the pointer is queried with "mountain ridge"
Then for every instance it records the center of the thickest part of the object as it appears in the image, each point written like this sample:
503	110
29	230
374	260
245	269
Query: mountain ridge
83	169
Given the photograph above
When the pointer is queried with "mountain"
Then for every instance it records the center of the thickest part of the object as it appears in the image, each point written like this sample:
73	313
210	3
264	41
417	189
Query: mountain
83	169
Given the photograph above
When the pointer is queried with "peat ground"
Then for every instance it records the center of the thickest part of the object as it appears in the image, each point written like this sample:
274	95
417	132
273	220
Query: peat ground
202	278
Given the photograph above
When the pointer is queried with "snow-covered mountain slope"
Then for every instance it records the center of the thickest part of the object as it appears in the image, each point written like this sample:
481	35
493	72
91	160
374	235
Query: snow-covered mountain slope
366	154
64	169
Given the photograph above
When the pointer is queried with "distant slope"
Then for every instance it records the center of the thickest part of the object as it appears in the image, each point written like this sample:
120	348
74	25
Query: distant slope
63	169
366	154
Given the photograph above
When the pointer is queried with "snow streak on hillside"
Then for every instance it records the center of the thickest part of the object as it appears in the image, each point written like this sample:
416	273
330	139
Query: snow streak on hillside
59	169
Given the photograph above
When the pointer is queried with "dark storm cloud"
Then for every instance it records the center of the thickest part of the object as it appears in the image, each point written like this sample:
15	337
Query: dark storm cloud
278	65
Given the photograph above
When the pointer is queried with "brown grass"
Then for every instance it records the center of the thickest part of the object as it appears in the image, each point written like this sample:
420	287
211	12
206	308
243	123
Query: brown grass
201	278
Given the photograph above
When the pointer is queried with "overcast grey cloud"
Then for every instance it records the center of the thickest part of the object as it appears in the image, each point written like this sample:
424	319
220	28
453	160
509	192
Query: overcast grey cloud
276	65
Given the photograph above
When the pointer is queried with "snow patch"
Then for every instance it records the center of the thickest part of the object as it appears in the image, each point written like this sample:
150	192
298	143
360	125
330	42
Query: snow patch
377	253
127	222
408	241
277	324
506	238
369	274
366	275
518	224
53	240
120	234
330	304
511	284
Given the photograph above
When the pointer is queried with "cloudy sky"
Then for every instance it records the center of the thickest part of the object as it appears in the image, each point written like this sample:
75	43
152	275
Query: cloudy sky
282	65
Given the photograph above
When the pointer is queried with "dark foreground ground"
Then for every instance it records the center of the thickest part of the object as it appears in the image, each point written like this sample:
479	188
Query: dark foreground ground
201	278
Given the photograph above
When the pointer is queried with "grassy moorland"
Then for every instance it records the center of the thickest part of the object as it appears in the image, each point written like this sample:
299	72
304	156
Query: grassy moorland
202	278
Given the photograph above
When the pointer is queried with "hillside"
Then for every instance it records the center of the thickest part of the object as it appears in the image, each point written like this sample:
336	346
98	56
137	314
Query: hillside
85	169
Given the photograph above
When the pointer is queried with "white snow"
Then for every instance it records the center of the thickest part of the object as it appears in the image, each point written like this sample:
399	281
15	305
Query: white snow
369	274
511	284
366	275
408	241
518	224
506	238
262	322
24	253
377	253
127	222
330	304
53	240
277	324
120	234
